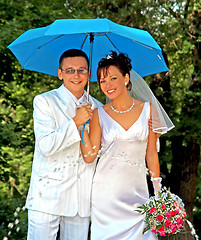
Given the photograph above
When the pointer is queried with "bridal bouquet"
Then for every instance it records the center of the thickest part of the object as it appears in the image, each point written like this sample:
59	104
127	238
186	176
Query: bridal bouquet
165	215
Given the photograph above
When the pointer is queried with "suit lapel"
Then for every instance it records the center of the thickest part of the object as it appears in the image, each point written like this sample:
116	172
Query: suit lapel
67	101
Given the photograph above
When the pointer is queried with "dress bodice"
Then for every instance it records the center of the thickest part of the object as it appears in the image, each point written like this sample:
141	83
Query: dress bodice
111	130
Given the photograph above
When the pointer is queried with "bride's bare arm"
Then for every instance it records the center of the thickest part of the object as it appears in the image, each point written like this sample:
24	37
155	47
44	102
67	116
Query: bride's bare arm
92	139
152	154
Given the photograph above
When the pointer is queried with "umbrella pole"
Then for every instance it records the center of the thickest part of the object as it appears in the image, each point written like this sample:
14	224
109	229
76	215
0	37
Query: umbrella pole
90	64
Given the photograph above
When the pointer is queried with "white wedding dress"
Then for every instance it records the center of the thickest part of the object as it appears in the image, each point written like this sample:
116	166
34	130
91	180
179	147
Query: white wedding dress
120	185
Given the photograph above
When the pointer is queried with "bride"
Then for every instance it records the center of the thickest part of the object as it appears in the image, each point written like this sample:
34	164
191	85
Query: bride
128	147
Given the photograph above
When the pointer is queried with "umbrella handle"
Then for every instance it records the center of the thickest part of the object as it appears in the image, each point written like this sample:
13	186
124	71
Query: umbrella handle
90	63
82	134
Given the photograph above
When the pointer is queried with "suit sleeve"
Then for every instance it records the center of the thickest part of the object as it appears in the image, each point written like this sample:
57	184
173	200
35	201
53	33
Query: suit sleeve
49	137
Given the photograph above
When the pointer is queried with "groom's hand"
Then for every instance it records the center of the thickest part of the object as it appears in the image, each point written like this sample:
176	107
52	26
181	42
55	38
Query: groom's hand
83	114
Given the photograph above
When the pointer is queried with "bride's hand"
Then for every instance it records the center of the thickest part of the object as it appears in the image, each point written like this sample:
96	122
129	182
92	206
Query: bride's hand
150	124
151	128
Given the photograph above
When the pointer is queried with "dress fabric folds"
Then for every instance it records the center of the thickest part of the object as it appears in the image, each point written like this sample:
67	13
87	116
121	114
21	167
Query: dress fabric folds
119	184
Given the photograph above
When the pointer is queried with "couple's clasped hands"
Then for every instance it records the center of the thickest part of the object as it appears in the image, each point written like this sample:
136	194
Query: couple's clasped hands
83	114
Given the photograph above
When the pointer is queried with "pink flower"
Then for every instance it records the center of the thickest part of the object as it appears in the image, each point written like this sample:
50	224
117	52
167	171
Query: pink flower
173	213
177	210
167	223
183	214
167	214
175	204
179	226
159	217
163	207
179	221
173	227
152	210
162	233
154	229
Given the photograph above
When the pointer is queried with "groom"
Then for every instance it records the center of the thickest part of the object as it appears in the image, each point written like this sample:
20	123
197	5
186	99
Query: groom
59	193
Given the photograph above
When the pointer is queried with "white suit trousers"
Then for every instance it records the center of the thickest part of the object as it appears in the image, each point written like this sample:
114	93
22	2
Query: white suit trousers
44	226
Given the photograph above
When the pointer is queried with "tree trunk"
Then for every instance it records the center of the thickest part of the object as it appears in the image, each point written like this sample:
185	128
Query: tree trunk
184	174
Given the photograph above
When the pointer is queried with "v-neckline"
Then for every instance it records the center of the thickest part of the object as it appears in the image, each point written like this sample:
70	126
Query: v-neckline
120	124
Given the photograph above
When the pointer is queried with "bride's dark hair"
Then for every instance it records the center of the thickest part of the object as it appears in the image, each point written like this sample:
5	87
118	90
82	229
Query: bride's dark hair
121	61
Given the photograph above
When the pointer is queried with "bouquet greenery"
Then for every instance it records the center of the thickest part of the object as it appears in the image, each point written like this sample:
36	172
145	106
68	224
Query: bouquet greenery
164	215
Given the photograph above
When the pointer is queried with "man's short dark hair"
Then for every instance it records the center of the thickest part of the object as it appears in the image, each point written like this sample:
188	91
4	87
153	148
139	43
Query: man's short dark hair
73	53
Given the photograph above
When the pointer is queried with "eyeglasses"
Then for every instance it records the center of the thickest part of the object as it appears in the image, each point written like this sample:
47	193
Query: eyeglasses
72	71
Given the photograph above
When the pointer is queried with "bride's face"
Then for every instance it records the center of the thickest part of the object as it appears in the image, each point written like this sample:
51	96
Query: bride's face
113	82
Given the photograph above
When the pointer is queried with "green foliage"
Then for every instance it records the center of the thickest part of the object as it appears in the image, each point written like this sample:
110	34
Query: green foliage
18	88
95	92
13	219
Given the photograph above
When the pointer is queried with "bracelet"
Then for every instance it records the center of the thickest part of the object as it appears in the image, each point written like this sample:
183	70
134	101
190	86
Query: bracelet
155	179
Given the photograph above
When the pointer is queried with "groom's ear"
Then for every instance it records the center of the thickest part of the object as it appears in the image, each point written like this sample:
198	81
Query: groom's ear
60	74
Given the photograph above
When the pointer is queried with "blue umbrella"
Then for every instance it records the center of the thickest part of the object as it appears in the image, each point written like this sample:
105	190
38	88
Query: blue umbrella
39	49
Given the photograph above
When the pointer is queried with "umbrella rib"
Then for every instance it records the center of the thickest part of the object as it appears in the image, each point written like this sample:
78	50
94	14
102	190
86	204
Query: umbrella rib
50	41
132	40
84	41
41	47
151	49
112	43
142	44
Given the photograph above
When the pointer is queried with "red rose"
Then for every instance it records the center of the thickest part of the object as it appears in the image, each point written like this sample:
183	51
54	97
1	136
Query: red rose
167	223
159	217
161	229
167	214
179	221
173	227
179	226
154	229
173	213
183	214
162	234
163	207
152	210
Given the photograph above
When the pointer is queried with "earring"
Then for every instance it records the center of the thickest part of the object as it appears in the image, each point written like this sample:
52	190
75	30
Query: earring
125	84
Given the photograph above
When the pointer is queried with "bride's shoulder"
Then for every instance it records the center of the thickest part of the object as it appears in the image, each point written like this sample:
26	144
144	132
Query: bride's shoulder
139	103
98	109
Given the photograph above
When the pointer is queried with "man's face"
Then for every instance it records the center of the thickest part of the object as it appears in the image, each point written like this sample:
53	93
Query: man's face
74	82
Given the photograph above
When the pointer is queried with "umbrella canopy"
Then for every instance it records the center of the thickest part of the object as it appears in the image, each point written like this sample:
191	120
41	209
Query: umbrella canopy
40	49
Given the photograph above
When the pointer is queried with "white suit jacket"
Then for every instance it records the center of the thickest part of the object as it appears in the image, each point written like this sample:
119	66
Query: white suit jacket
61	180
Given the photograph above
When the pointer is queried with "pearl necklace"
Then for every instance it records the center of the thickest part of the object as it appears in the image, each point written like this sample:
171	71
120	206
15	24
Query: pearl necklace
128	110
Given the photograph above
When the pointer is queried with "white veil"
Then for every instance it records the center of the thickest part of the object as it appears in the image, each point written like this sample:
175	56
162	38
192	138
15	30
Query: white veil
161	123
